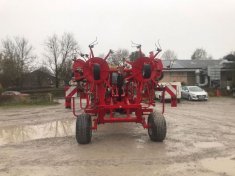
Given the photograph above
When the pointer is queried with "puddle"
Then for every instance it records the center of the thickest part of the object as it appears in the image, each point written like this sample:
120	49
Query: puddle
220	165
140	143
206	145
18	134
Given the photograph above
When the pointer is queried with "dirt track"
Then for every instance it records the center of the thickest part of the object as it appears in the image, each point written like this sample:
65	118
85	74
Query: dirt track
40	141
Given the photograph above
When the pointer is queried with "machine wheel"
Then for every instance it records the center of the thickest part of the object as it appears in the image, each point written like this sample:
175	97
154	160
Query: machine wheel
96	71
83	129
157	126
146	71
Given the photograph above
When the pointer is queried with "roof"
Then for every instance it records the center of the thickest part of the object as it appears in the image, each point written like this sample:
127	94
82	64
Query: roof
42	70
191	64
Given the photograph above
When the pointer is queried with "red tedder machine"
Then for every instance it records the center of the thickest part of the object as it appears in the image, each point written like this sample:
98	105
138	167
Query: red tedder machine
118	94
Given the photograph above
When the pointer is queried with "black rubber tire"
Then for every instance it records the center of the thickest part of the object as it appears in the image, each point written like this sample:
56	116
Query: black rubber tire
96	71
146	71
157	126
83	129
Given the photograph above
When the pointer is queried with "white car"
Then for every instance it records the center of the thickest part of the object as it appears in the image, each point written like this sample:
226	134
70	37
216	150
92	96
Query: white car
14	93
194	93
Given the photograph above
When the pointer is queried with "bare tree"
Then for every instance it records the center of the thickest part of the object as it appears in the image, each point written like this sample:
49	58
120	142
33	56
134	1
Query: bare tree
118	57
200	54
1	72
58	52
1	59
17	58
169	55
66	71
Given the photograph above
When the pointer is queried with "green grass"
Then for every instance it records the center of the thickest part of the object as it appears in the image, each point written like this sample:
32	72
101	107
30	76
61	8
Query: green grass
23	105
40	99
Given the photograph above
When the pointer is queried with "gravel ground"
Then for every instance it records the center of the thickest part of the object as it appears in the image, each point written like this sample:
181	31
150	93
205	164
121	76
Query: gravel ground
40	141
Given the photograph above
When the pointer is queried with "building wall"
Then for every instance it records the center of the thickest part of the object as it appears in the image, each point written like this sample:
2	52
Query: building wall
227	79
174	76
38	79
187	77
191	78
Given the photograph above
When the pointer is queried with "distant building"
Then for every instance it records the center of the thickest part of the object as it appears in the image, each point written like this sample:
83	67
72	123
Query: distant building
210	73
40	78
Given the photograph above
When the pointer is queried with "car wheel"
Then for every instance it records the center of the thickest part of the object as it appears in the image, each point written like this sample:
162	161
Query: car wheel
189	98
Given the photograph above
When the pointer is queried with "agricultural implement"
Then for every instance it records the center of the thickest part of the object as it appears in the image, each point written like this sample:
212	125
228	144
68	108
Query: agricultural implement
123	93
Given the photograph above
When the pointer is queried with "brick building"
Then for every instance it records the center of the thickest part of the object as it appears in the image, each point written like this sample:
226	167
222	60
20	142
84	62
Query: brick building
185	71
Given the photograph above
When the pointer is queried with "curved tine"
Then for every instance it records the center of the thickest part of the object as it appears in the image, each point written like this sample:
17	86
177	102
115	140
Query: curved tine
158	41
113	51
94	42
109	53
158	46
81	54
135	45
74	58
132	44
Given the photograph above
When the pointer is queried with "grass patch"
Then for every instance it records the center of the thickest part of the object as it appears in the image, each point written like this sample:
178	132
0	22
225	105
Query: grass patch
21	105
41	99
56	92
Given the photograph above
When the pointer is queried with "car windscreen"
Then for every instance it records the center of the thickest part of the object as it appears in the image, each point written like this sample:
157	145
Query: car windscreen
195	89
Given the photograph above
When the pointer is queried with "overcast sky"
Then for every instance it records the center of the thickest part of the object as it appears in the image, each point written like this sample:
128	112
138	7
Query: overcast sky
181	25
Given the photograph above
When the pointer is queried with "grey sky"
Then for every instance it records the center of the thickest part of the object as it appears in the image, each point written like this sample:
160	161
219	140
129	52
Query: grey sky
181	25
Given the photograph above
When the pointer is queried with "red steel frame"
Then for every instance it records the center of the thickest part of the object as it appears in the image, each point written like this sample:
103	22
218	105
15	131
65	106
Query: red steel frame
102	97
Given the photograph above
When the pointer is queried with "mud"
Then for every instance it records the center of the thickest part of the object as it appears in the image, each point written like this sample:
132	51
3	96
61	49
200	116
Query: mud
22	133
40	141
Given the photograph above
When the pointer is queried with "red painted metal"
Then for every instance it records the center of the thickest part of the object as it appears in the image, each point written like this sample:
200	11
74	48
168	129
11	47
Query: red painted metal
67	103
78	65
106	91
171	89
